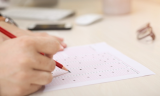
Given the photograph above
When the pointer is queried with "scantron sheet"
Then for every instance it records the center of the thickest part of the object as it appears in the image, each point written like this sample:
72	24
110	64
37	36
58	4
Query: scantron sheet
92	64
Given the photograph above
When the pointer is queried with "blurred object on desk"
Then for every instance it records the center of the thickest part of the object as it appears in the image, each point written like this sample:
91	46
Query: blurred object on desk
45	3
146	34
4	4
116	7
35	3
38	13
60	26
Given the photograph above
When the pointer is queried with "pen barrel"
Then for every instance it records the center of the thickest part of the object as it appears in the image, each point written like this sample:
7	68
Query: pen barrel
7	33
59	65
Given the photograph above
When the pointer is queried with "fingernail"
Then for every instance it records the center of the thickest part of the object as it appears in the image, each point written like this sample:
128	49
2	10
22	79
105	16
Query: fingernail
61	48
64	44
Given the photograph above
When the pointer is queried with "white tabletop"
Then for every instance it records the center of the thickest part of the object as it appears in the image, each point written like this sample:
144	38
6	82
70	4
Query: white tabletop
120	33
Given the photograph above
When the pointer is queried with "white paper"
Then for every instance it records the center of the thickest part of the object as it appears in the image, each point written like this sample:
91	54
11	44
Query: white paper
92	64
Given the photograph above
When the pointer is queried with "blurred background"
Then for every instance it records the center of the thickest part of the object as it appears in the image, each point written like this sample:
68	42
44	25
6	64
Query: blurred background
48	2
43	3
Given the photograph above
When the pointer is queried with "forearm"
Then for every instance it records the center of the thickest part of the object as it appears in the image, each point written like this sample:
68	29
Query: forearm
13	29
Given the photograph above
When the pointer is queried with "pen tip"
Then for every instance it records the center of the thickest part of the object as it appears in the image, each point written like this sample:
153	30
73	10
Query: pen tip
69	71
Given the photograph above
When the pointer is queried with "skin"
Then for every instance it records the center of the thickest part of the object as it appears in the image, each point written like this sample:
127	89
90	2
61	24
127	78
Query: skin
20	32
23	70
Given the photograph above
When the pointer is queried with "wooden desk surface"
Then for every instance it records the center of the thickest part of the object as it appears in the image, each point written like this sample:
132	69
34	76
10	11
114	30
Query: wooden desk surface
120	33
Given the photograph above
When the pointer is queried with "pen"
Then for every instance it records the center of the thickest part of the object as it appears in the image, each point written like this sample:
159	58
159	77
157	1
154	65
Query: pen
10	35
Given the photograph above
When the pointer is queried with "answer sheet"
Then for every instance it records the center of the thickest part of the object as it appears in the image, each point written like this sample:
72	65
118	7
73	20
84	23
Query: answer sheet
92	64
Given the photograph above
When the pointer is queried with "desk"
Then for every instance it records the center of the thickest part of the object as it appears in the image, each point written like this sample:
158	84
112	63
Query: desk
120	33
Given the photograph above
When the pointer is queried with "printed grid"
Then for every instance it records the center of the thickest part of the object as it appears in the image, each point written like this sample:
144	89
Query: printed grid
88	65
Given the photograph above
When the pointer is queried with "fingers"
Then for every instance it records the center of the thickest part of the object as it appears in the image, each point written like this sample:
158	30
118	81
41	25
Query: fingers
60	40
46	45
41	34
41	77
44	63
64	45
33	88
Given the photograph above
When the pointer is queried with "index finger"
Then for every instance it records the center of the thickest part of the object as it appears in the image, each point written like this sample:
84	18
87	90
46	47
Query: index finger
43	63
46	45
60	40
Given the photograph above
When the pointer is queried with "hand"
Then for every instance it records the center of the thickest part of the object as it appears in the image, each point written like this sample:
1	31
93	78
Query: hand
60	40
20	32
23	70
